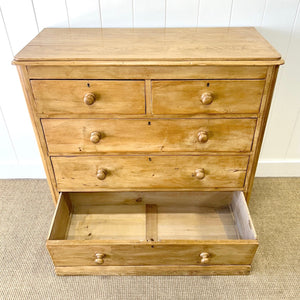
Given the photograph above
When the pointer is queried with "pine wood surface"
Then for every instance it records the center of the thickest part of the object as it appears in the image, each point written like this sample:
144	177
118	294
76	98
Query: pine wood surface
184	97
185	270
73	136
79	173
61	96
184	44
165	130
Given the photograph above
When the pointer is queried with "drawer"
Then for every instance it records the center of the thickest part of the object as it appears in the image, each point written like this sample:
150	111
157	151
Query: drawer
150	228
149	135
91	97
207	96
194	172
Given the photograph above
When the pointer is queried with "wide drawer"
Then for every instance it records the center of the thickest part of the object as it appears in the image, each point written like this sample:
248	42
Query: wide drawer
92	96
206	97
152	135
193	172
150	228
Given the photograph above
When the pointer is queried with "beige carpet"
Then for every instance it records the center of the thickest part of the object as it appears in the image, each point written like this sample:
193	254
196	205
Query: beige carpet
26	271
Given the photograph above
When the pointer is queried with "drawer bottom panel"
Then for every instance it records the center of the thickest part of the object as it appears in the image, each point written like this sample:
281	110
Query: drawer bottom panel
151	230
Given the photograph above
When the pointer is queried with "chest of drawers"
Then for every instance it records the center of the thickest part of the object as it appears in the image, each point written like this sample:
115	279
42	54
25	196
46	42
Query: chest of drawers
150	140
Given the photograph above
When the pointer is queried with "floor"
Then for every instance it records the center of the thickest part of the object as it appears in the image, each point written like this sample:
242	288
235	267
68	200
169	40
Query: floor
26	271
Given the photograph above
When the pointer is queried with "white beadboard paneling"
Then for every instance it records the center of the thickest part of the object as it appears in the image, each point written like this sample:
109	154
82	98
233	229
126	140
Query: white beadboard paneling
277	23
285	34
247	13
149	13
20	22
84	13
51	13
7	155
214	13
14	108
294	145
116	13
182	13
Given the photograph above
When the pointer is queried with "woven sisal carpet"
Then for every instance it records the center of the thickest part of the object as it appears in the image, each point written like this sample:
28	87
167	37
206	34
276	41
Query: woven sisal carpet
26	271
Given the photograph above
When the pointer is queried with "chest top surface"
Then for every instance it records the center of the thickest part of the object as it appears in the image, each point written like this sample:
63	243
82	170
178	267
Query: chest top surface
187	45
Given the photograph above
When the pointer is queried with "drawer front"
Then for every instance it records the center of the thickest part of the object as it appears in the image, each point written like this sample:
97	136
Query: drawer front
106	135
207	97
92	97
94	173
234	252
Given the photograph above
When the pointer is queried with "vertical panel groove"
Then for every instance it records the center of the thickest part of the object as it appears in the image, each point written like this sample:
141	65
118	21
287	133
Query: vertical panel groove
264	12
37	25
166	13
68	18
100	13
7	36
292	31
9	136
231	6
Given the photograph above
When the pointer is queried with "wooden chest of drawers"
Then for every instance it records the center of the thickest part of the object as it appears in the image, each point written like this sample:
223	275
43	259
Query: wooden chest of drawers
150	140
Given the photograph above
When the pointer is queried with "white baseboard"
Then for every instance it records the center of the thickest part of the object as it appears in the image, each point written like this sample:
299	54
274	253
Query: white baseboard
278	169
34	169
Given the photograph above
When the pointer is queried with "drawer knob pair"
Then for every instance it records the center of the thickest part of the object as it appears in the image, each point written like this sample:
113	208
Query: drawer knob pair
200	173
101	174
204	257
95	137
99	258
207	98
202	136
89	98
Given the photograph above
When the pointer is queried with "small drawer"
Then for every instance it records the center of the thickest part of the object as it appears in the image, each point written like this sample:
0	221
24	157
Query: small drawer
151	228
89	97
74	136
207	96
193	172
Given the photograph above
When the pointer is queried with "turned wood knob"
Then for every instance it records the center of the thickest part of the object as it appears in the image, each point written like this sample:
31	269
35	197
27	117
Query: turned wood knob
99	258
200	173
207	98
101	174
204	257
89	98
95	137
203	136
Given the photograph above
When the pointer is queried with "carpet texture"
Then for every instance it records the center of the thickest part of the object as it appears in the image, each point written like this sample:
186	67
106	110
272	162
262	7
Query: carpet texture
26	271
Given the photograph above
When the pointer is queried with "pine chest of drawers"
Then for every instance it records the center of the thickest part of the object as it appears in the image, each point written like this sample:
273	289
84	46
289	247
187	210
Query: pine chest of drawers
150	140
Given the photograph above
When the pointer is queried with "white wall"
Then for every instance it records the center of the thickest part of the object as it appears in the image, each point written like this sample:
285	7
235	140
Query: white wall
277	20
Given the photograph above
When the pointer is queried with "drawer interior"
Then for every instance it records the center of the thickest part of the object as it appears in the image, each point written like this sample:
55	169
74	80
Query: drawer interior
152	217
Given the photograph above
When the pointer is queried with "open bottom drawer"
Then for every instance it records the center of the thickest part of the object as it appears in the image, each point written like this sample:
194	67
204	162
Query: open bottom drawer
152	233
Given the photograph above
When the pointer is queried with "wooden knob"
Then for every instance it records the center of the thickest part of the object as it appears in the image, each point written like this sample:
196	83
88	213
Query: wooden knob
200	173
99	258
204	257
202	136
89	98
207	98
101	174
95	137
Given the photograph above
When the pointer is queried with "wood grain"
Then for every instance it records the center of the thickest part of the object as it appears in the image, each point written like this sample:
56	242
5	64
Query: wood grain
184	97
67	96
150	135
78	173
235	252
83	201
144	71
63	44
155	270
